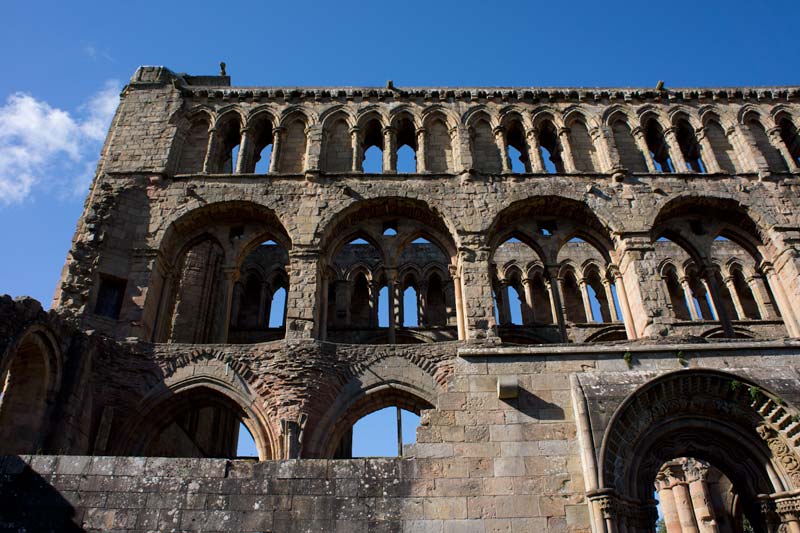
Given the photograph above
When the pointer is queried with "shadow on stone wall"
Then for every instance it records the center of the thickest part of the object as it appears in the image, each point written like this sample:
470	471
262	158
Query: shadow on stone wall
29	503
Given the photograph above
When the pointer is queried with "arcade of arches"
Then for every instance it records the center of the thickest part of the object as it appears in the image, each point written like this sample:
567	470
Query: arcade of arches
589	298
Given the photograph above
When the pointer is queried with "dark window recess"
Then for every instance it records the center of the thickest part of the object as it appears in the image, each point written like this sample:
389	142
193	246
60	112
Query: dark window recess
109	298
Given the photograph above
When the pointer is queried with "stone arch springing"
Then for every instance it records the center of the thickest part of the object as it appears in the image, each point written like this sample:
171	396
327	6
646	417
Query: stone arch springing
724	419
30	376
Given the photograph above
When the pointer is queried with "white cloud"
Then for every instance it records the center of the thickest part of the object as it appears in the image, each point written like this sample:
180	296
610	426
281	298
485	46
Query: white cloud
41	145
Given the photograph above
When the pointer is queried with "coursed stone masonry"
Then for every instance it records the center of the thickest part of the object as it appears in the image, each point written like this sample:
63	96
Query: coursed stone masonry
624	261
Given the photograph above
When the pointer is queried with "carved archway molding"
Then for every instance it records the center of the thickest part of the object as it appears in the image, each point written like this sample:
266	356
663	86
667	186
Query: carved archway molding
231	380
717	416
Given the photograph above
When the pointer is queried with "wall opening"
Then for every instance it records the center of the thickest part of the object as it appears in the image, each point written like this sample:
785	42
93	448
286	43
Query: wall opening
657	144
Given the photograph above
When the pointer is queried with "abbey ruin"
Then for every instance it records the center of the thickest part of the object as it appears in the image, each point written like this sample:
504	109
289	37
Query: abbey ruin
590	296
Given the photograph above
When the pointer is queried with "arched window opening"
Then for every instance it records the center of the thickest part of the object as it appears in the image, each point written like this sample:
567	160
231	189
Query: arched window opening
383	307
517	149
745	295
725	297
406	146
690	147
550	148
262	141
773	157
277	314
573	301
584	153
615	301
23	402
228	138
677	296
515	305
292	159
194	146
495	292
390	231
199	423
259	305
338	147
263	159
630	156
438	150
790	138
485	154
436	312
420	240
355	302
659	150
372	148
724	152
411	303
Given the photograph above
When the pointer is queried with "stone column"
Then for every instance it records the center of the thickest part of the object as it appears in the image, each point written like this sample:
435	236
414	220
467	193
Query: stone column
422	303
775	138
231	274
277	147
707	152
394	308
389	150
503	309
302	296
612	309
683	506
422	164
695	473
502	146
263	315
608	157
375	296
624	305
664	487
357	150
527	284
675	153
687	293
476	285
556	304
566	150
641	142
245	153
784	304
458	304
534	151
758	287
211	152
709	279
587	304
737	304
313	148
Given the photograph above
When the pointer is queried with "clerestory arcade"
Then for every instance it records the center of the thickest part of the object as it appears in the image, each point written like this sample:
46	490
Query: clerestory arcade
590	297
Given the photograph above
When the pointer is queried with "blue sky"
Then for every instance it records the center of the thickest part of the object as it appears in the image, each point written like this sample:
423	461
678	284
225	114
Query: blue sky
66	61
